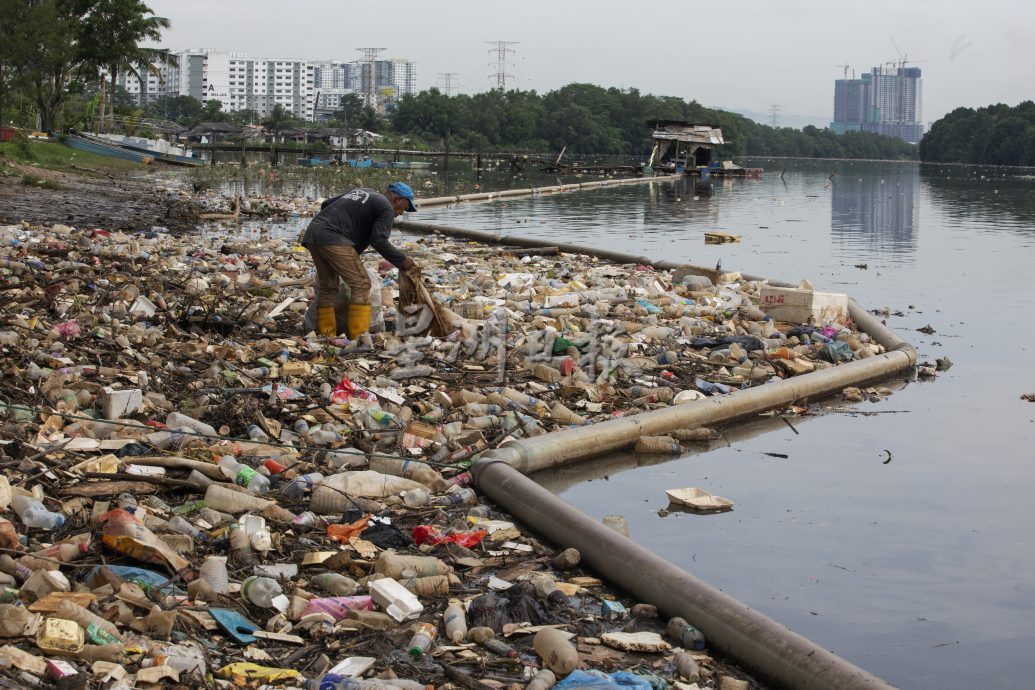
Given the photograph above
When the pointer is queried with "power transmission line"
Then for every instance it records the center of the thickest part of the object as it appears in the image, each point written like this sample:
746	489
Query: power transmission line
370	88
501	50
448	78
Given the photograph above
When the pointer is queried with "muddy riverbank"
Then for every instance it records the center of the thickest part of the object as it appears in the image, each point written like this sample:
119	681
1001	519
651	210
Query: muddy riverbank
86	197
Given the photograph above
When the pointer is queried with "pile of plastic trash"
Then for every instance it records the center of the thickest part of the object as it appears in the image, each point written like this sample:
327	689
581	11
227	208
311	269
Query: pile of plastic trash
198	486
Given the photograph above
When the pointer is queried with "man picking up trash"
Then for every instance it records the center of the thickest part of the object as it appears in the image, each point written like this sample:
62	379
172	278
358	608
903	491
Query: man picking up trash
345	226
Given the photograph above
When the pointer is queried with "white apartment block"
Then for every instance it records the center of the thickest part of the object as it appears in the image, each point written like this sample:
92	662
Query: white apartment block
242	82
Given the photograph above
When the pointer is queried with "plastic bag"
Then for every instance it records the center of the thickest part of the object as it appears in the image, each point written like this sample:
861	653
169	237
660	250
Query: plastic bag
515	605
597	680
346	389
377	317
426	534
126	534
345	532
837	351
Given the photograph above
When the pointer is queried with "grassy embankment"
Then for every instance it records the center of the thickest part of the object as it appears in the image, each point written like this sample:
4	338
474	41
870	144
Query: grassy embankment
19	156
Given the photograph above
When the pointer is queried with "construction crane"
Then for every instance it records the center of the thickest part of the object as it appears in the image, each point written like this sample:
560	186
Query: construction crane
845	69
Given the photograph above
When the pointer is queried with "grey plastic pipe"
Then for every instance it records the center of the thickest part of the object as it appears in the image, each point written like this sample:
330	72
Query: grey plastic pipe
510	193
745	635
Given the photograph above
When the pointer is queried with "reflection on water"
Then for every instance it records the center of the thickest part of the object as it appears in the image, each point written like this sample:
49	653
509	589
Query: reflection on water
995	198
879	212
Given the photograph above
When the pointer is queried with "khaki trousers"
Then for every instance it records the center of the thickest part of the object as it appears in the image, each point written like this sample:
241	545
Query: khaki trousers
334	261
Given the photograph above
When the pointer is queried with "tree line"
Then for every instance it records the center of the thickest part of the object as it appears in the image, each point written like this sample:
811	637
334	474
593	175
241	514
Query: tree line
995	135
589	119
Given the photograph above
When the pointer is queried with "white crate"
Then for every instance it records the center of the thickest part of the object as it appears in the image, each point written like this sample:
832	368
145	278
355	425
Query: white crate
794	305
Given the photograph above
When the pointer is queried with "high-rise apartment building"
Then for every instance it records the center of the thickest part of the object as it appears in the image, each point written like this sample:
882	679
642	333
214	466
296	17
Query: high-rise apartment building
882	102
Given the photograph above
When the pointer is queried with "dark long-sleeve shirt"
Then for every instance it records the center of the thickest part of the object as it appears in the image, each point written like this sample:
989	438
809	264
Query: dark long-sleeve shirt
360	217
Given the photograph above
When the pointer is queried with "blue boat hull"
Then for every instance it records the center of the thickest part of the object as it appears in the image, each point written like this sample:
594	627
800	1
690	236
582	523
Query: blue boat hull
113	151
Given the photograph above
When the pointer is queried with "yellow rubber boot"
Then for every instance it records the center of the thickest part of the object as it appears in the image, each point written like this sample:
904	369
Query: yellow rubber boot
325	322
359	320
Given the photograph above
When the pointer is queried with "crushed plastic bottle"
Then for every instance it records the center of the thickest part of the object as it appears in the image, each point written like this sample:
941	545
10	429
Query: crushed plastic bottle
34	514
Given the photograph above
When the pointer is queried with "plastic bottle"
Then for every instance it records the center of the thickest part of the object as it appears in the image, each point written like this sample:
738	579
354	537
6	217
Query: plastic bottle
333	681
224	498
657	444
485	422
241	546
557	653
418	370
33	513
13	567
301	427
323	437
213	571
260	590
176	420
410	469
689	636
178	524
486	637
301	485
53	556
306	519
416	498
127	501
337	584
398	566
422	639
544	680
242	475
371	620
687	668
256	433
454	620
463	496
475	409
546	588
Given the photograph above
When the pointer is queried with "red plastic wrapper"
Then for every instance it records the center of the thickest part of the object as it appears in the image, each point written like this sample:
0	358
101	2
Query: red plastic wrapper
426	534
346	389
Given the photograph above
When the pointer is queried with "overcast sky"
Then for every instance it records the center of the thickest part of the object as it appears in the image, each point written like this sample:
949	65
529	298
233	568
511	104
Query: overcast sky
747	55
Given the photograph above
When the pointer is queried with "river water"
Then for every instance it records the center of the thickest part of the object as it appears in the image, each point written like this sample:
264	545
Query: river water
918	569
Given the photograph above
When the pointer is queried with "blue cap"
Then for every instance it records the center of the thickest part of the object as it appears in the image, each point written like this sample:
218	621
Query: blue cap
403	190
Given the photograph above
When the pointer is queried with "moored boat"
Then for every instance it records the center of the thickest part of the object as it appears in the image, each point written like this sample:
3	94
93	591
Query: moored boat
102	148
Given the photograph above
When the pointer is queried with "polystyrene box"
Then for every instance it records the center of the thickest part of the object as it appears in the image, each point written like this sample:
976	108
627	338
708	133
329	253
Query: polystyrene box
794	305
397	601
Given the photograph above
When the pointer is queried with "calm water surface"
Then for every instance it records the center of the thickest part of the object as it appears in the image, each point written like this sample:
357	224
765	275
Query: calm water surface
919	570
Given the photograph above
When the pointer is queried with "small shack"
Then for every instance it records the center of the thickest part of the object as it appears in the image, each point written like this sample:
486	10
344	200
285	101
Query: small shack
682	146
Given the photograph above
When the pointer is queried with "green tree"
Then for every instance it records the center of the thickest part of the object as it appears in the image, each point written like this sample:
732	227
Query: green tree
45	53
110	35
349	111
279	120
185	110
995	135
212	111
